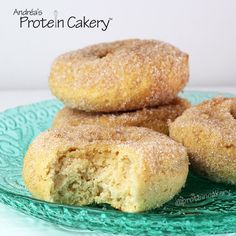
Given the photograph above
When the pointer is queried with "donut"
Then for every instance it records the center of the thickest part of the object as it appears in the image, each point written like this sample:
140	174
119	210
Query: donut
208	131
119	76
154	118
132	169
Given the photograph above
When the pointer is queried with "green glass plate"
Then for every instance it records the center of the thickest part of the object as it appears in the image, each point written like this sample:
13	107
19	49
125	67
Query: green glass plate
202	207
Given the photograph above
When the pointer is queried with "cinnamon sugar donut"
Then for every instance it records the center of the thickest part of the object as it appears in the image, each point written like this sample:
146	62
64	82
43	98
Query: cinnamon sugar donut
208	131
119	76
153	118
132	169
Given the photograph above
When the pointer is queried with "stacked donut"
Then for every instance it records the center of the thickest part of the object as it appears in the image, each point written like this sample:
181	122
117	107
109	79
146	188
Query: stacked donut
95	153
127	83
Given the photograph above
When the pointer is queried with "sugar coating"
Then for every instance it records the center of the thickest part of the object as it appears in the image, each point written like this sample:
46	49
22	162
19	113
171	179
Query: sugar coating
119	76
149	165
208	130
155	118
142	140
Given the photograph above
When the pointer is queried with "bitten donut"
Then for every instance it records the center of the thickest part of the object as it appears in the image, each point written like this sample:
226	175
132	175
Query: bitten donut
132	169
209	133
153	118
119	76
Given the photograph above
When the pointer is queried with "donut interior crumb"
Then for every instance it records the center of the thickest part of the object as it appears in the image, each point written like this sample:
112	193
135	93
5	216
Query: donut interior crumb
132	169
84	176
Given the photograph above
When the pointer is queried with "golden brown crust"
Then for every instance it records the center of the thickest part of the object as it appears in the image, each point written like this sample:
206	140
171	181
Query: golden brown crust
161	163
208	130
153	118
119	76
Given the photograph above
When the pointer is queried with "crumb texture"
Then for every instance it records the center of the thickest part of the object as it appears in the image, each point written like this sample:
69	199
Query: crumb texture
132	169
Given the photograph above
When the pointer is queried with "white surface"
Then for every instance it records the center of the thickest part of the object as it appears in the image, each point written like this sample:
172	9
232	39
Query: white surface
13	223
204	29
13	98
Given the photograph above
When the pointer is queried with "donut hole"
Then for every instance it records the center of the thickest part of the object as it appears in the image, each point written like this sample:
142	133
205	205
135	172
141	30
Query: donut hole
103	54
233	111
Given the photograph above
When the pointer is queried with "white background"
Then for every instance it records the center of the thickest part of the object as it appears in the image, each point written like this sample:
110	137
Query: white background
206	29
